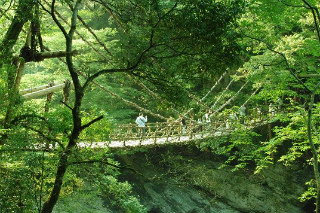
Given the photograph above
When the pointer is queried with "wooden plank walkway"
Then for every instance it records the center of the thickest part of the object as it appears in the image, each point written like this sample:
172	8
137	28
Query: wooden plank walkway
146	141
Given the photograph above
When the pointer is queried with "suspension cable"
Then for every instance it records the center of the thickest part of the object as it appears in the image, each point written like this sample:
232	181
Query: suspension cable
213	87
223	92
233	97
251	96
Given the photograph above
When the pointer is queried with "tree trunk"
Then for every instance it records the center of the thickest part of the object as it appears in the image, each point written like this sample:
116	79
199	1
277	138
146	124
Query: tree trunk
14	79
54	195
63	160
314	153
23	14
77	128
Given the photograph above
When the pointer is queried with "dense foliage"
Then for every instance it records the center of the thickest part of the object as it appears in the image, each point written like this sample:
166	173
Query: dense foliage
156	55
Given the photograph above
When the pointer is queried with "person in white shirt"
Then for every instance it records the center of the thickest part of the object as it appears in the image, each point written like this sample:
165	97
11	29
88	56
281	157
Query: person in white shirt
141	121
207	119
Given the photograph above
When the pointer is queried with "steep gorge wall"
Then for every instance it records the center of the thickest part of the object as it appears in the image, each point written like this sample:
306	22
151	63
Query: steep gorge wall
180	178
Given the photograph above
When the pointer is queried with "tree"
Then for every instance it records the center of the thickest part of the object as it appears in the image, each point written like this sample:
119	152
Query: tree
142	44
282	43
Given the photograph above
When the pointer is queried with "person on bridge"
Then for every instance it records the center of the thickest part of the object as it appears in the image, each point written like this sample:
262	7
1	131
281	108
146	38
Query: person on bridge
141	121
183	125
207	119
242	114
272	109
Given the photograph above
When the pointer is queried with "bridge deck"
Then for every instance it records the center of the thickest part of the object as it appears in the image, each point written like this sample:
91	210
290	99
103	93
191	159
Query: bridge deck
197	132
142	142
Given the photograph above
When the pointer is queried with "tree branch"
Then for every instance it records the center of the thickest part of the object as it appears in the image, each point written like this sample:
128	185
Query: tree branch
22	117
164	15
112	14
291	5
56	20
284	58
91	122
44	136
57	54
94	35
129	69
74	18
313	9
26	150
66	105
6	10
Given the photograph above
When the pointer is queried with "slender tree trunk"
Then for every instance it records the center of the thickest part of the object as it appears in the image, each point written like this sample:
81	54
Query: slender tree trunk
54	195
314	153
77	128
63	160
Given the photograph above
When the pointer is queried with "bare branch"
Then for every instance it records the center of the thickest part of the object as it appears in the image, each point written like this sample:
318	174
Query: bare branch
52	13
66	105
164	15
43	7
314	10
91	122
101	72
40	56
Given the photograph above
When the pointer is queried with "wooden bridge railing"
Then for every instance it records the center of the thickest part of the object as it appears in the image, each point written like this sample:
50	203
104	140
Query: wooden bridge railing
154	131
165	131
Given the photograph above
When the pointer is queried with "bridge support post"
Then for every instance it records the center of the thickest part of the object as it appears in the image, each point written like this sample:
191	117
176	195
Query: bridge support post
140	141
46	110
167	133
191	130
156	133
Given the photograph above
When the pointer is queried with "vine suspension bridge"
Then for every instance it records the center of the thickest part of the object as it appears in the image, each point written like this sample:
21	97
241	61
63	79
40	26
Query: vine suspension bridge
130	135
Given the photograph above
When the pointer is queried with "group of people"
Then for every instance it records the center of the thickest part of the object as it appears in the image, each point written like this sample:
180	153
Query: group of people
205	120
141	121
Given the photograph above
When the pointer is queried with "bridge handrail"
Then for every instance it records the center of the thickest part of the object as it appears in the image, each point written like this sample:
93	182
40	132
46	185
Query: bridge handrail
159	129
166	130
